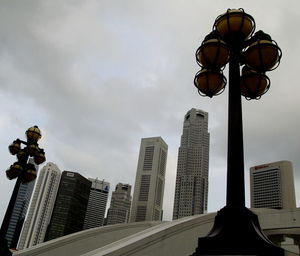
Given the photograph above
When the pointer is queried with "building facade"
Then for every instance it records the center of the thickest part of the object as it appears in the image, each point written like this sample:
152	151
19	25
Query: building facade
19	211
70	205
41	206
120	204
150	180
96	207
272	185
191	189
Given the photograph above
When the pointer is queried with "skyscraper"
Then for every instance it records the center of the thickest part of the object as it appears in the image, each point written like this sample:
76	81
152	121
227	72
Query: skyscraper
41	206
150	180
19	211
119	210
191	189
97	204
70	205
272	185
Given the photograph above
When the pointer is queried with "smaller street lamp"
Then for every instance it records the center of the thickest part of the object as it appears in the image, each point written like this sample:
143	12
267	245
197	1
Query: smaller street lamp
24	172
236	229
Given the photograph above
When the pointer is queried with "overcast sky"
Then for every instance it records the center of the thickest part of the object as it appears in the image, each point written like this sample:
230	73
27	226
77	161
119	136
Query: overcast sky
98	75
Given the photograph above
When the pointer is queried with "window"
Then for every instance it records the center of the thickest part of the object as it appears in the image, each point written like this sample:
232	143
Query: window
144	188
148	159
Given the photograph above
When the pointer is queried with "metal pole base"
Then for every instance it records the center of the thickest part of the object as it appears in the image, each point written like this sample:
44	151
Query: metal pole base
4	251
236	231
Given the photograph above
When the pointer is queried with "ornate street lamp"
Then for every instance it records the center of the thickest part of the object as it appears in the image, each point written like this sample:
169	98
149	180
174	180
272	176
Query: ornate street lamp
39	158
24	172
210	82
253	84
236	230
15	147
33	133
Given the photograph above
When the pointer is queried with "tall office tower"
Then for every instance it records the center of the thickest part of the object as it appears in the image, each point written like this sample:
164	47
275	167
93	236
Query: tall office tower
19	211
191	189
272	185
96	207
70	205
41	206
150	180
120	204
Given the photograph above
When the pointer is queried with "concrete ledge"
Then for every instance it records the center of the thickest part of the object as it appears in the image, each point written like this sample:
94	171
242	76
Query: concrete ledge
178	237
86	240
175	238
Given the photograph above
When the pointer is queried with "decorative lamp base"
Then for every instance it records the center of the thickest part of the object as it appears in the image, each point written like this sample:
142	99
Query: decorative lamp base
236	231
4	251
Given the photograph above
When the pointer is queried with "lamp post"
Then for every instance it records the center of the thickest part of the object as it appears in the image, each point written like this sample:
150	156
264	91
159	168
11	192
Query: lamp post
24	172
236	229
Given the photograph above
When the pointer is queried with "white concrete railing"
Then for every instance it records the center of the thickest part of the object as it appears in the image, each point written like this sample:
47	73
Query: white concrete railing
87	240
156	238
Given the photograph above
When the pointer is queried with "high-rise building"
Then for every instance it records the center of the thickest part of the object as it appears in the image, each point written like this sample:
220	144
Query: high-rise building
96	207
41	206
272	185
191	189
120	204
70	205
150	180
19	211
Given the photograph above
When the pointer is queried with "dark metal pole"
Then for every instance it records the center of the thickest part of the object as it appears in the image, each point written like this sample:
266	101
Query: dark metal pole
5	223
33	135
236	229
235	153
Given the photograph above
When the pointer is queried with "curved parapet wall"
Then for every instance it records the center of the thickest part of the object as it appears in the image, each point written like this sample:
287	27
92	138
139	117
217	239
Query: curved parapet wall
81	242
172	238
156	238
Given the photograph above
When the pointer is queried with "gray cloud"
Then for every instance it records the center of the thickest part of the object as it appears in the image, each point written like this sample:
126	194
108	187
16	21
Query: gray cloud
97	76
